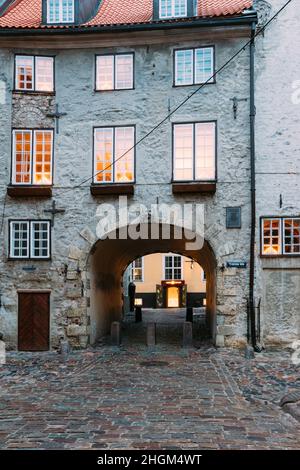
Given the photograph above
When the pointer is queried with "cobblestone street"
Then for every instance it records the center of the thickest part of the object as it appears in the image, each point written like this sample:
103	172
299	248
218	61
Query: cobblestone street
132	398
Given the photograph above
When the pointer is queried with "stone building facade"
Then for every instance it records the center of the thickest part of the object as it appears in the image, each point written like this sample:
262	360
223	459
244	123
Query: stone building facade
83	277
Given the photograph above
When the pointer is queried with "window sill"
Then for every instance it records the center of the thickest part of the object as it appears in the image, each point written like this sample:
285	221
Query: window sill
112	189
192	187
29	191
286	256
34	92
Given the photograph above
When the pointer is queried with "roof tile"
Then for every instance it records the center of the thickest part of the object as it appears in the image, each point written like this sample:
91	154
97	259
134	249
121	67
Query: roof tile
28	13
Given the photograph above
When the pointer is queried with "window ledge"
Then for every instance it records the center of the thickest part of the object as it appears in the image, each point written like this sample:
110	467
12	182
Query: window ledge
112	189
29	191
34	92
192	187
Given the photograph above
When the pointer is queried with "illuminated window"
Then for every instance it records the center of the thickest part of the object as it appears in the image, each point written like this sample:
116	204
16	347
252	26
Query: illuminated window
291	230
195	151
173	267
194	66
30	239
114	72
172	8
114	154
32	157
137	270
34	73
60	11
272	236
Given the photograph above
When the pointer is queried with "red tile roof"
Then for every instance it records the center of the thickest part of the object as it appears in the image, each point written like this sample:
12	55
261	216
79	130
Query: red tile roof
28	13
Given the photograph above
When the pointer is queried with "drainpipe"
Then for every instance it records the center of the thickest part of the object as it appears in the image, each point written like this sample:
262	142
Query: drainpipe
253	189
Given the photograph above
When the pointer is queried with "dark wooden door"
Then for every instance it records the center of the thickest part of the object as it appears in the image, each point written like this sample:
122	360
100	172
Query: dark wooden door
33	321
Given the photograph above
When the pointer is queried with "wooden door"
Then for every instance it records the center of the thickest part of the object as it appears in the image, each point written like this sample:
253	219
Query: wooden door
34	313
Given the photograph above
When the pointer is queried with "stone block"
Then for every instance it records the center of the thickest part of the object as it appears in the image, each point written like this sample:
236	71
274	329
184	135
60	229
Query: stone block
73	292
75	253
74	312
88	235
220	341
84	340
72	275
115	333
226	330
187	341
151	334
76	330
249	352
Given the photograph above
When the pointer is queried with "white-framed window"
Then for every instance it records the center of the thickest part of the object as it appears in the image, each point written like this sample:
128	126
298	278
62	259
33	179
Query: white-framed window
60	11
34	73
32	156
114	72
137	270
29	239
280	236
194	151
114	154
173	267
193	66
172	8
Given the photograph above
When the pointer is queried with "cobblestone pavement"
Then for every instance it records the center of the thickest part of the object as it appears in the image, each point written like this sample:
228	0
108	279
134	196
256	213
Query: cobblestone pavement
118	399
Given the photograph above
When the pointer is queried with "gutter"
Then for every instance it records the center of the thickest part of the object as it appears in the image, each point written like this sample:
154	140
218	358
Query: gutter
241	20
253	192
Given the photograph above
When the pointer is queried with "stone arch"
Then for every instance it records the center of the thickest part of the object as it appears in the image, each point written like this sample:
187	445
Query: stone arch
109	258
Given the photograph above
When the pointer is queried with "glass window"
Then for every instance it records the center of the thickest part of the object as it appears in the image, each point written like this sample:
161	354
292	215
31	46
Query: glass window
291	236
137	270
271	236
32	157
19	239
172	8
60	11
40	240
30	239
195	151
34	73
114	154
173	267
114	72
194	66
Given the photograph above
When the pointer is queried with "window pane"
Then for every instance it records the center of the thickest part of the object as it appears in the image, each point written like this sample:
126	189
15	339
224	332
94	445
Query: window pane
271	237
124	141
44	73
105	73
22	157
19	234
205	151
173	8
60	11
204	68
42	165
137	270
24	73
40	240
183	152
124	71
291	236
184	67
103	155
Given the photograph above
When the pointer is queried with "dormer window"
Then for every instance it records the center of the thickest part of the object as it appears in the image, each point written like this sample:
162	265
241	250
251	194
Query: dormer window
172	8
60	11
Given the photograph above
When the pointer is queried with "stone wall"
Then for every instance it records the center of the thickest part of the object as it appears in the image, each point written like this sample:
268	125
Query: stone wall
278	166
74	233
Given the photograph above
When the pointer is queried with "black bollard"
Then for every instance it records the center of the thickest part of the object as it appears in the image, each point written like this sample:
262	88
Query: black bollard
138	314
189	314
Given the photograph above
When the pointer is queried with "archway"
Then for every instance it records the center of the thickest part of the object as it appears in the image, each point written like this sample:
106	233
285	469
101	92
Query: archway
108	261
